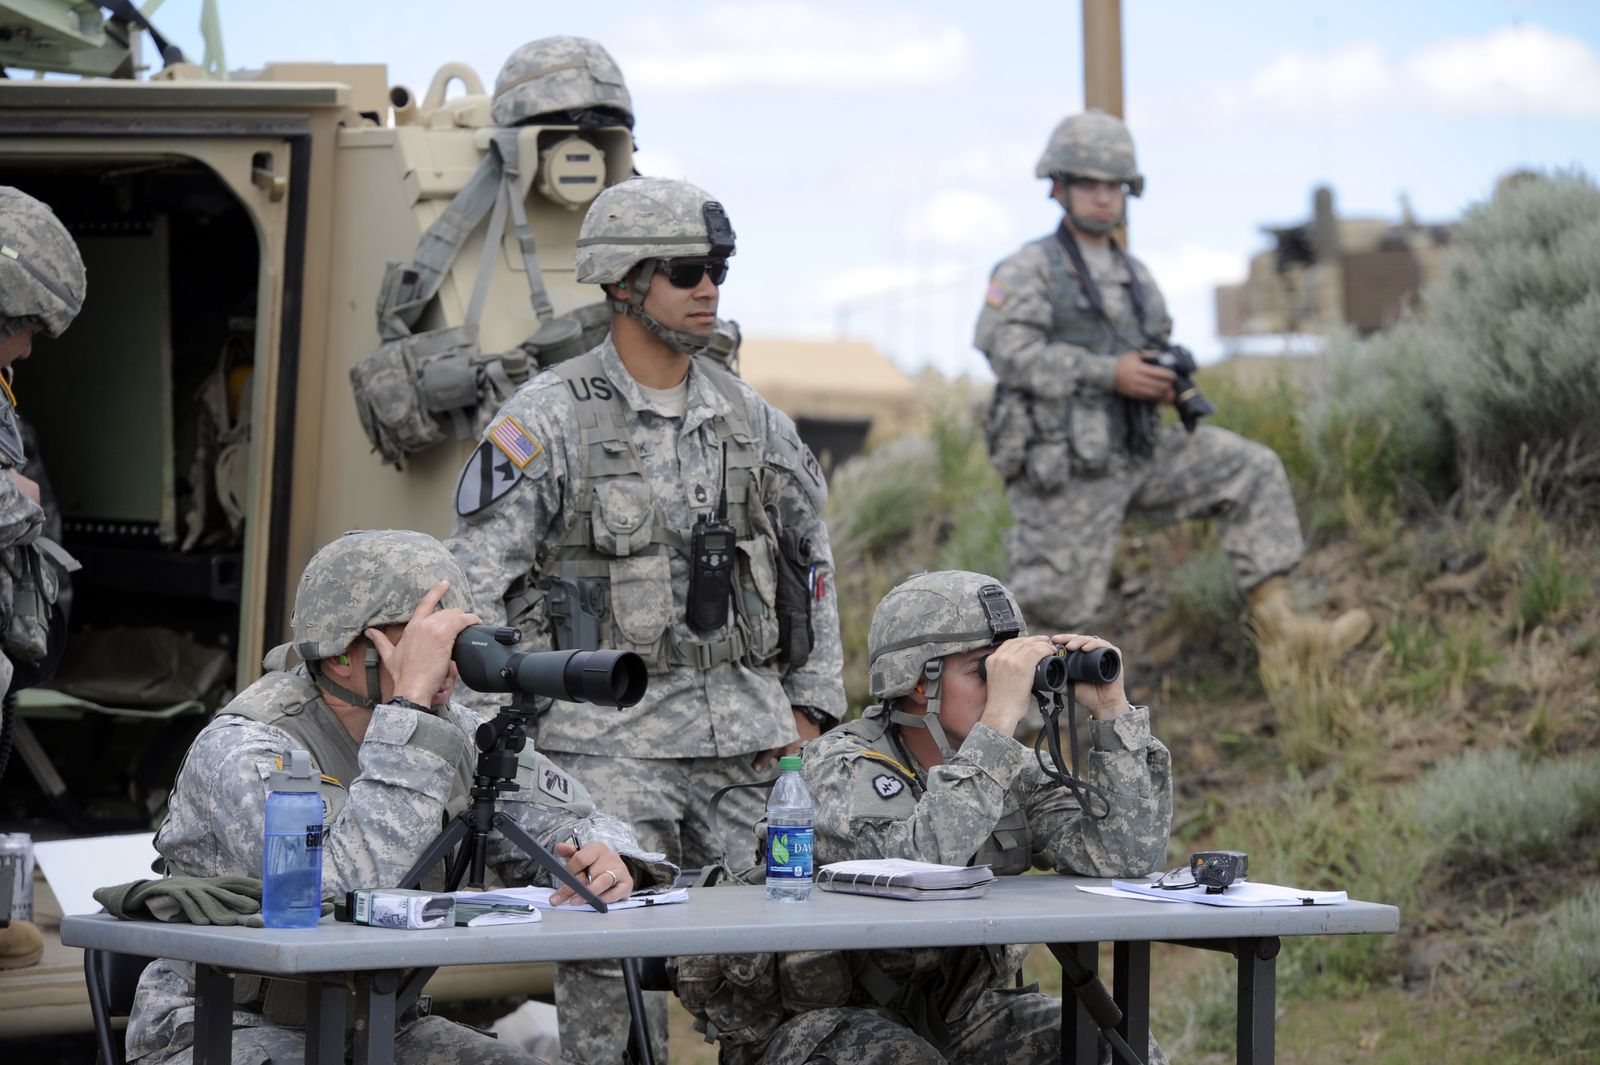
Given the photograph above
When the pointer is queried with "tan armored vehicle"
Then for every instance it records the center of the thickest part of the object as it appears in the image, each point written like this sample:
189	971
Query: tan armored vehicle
197	422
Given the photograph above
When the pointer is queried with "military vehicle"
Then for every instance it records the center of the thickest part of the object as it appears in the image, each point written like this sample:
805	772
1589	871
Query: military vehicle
197	421
1327	272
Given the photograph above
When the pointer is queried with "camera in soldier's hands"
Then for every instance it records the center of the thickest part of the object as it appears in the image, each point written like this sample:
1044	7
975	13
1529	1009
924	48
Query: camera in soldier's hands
1192	404
490	658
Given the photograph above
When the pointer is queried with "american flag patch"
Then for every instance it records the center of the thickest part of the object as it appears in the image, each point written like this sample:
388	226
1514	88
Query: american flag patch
510	437
997	294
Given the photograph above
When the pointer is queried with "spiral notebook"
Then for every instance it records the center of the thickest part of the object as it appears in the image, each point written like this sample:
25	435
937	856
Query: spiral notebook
901	878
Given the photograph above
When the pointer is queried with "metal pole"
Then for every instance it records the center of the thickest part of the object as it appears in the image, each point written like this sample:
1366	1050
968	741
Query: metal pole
1102	55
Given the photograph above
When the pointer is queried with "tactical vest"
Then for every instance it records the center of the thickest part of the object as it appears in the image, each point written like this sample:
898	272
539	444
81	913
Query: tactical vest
1050	439
620	544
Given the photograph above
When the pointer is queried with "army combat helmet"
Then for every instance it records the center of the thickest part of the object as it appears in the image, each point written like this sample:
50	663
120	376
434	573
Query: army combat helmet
643	222
362	580
920	622
562	80
1091	145
41	273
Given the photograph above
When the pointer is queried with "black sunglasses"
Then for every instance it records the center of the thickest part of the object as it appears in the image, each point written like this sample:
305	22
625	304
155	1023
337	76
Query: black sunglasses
688	274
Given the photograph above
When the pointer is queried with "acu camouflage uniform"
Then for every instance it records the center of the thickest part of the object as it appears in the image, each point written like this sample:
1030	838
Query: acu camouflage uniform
585	476
41	279
1077	456
988	803
386	797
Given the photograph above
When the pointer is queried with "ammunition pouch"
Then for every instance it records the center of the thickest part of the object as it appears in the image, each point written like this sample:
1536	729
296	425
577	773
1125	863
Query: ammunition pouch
31	579
410	389
418	384
1007	427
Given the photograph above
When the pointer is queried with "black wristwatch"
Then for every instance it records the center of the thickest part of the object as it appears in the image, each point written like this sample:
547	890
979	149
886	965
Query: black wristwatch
401	700
815	716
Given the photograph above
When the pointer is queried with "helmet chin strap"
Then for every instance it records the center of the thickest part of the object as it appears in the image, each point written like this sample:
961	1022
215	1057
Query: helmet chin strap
929	720
328	684
681	342
1093	226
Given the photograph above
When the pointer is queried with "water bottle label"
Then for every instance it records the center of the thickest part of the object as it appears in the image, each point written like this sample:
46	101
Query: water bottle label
313	837
788	854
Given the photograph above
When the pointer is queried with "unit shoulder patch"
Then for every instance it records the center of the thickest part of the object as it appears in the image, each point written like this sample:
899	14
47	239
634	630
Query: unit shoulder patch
887	786
997	295
488	475
555	783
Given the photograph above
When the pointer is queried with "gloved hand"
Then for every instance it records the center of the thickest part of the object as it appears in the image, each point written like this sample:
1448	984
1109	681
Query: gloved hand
218	900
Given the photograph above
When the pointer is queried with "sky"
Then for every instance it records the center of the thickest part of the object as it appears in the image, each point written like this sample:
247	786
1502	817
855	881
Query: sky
876	157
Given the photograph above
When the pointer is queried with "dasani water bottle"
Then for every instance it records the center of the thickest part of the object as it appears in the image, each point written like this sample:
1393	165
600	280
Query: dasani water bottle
789	834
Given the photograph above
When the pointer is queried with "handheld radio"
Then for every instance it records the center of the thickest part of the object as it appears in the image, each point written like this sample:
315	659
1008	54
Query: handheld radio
711	563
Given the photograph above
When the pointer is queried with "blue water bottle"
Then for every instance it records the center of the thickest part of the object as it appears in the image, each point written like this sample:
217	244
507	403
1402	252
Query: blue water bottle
789	834
291	882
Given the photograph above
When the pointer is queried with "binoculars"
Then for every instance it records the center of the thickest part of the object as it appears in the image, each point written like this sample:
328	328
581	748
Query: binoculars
490	658
1055	670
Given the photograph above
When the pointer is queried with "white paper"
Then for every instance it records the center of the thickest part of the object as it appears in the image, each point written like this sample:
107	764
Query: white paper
504	917
76	867
1244	893
540	897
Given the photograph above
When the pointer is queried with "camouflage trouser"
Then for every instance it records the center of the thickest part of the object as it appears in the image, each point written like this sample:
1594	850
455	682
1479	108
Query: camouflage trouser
667	801
1011	1025
1064	542
425	1041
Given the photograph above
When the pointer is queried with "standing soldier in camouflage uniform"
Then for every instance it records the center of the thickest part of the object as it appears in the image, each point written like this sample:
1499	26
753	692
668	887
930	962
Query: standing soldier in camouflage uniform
375	621
42	285
932	773
1074	426
639	498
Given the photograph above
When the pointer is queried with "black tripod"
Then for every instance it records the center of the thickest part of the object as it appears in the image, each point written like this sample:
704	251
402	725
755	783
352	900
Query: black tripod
499	742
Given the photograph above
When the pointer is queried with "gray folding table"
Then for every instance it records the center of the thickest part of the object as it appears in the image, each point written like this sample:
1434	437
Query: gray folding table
735	920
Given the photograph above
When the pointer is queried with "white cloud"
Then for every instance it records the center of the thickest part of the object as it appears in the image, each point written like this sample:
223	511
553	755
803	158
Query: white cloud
1526	70
770	45
957	218
1190	269
1511	71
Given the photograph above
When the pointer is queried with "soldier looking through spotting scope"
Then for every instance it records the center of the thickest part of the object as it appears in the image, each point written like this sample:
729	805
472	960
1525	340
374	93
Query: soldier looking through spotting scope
1070	325
376	616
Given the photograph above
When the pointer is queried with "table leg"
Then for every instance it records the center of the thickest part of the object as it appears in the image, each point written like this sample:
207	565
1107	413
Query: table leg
324	1021
1080	1038
213	1015
1130	986
375	1020
1258	989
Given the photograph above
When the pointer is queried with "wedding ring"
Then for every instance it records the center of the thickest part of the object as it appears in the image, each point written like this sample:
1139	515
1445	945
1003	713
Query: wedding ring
613	876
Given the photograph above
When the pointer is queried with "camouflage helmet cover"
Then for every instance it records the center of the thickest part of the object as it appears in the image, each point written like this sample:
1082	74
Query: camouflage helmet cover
367	578
1095	145
648	218
41	272
558	74
933	615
